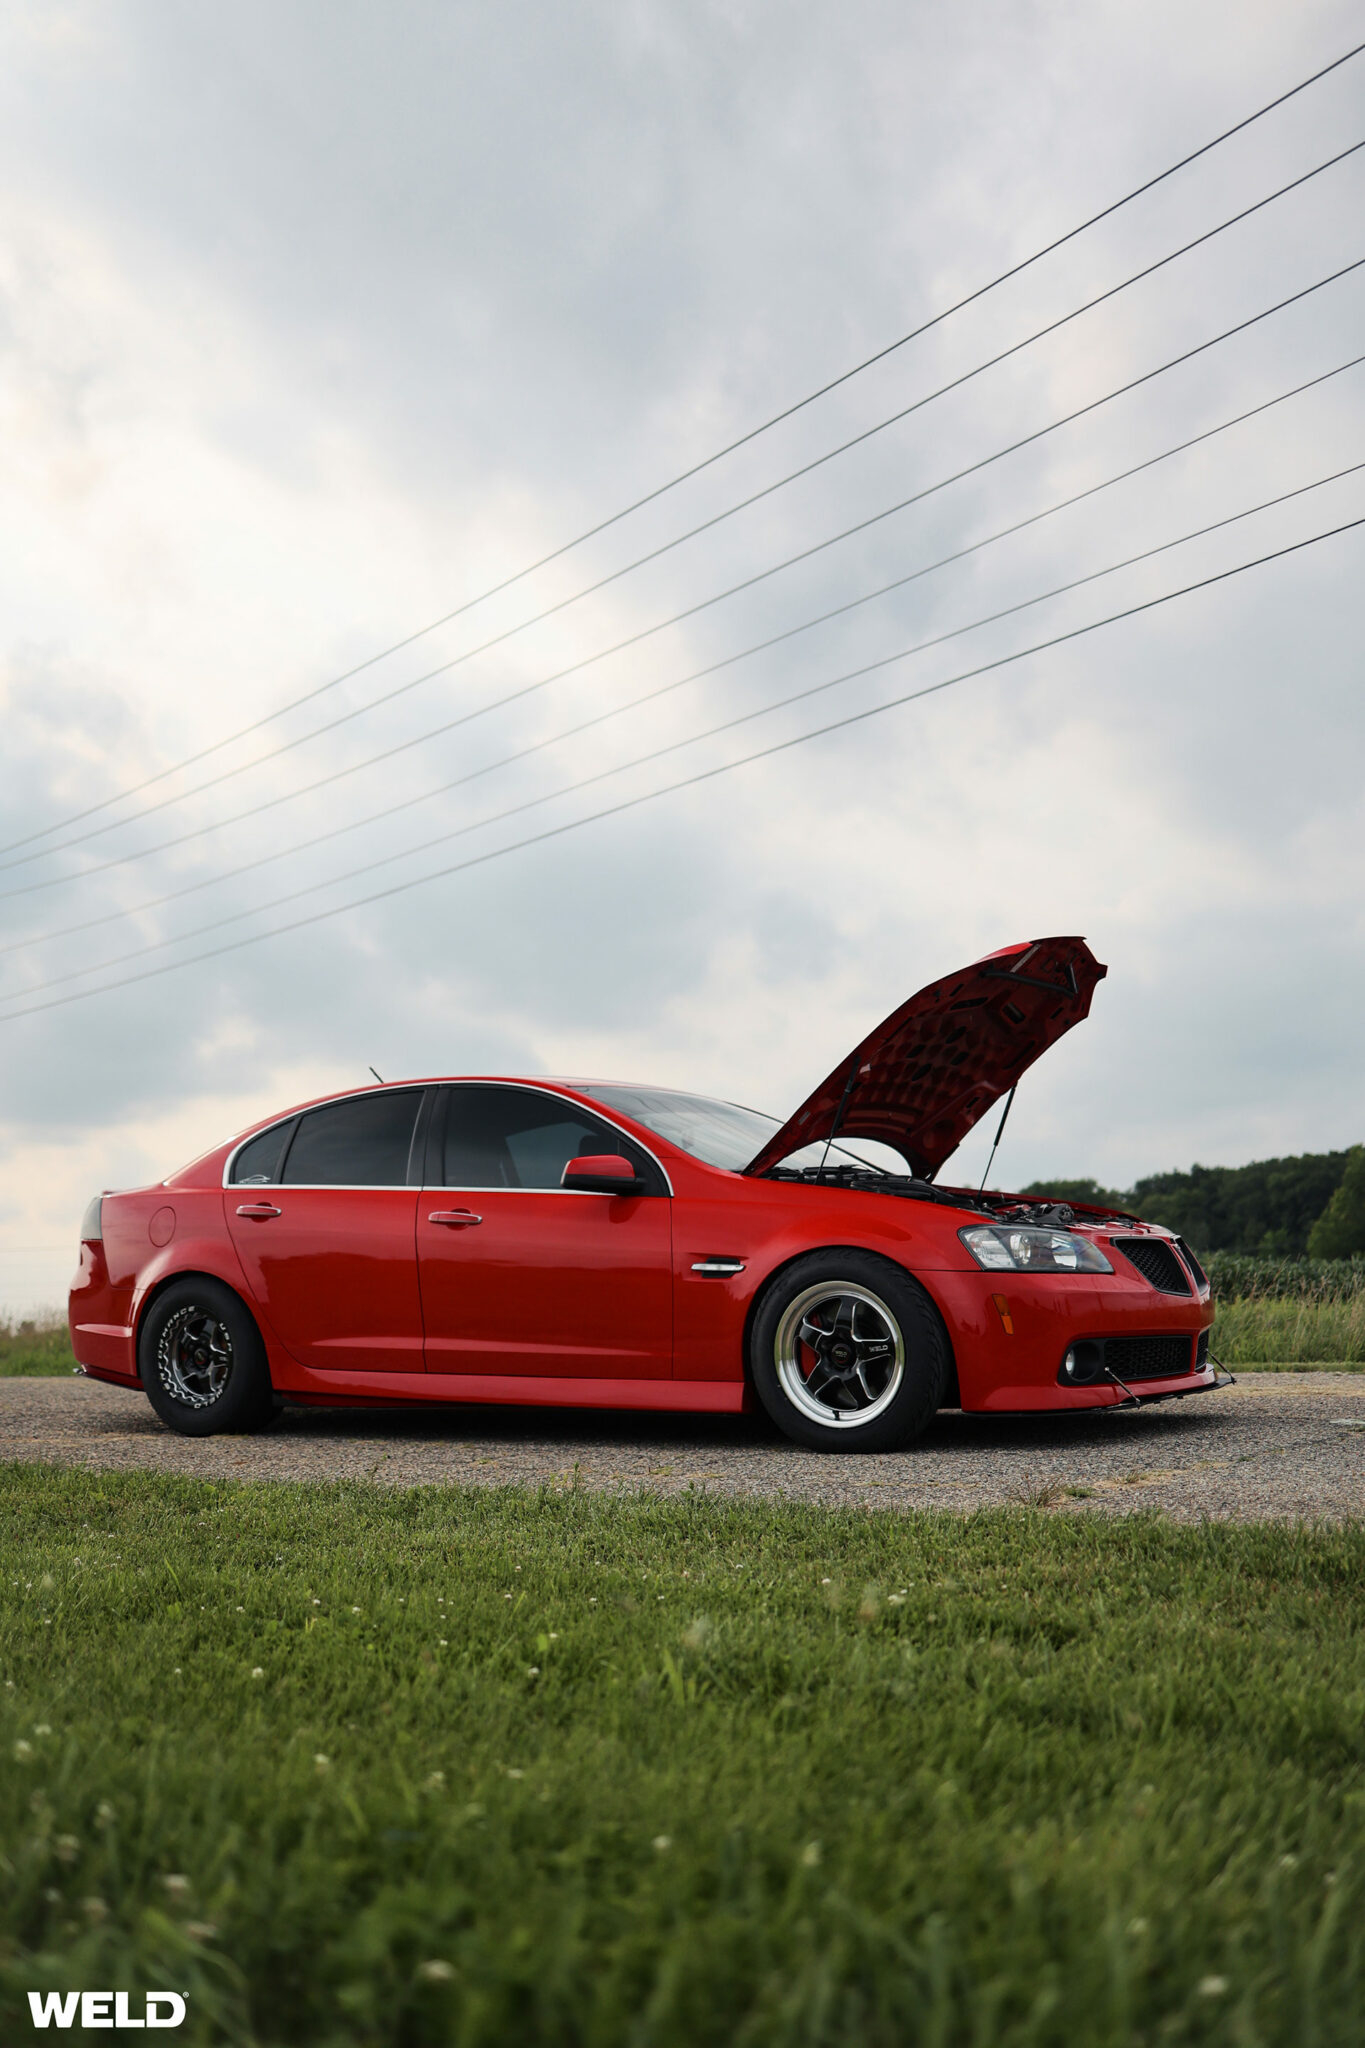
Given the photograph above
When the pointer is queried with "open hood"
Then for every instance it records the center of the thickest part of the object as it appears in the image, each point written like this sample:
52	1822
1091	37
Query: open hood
934	1067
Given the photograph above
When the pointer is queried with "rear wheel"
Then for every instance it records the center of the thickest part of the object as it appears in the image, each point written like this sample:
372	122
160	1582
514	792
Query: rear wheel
847	1353
202	1361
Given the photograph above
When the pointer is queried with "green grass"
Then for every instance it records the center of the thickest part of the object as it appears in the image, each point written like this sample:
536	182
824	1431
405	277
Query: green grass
1280	1333
41	1344
352	1765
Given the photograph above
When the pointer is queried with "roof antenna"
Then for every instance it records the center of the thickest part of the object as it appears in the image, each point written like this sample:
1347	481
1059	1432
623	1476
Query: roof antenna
839	1112
1009	1105
380	1079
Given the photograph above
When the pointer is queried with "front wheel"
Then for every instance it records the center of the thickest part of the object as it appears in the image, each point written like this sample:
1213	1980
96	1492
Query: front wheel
202	1362
847	1353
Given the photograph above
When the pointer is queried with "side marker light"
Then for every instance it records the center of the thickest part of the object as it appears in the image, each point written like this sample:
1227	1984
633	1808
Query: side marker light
1002	1309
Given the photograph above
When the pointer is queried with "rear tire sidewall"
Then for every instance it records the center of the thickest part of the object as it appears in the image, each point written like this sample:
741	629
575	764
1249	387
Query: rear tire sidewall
913	1314
246	1401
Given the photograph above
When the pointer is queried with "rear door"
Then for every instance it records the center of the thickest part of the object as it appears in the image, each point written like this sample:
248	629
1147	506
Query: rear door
324	1223
519	1275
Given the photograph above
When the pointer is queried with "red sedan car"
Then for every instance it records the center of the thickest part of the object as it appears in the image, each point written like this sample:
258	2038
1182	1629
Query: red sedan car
594	1244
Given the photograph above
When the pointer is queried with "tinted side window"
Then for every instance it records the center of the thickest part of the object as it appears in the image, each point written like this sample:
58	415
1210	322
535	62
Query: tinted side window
515	1138
258	1162
362	1143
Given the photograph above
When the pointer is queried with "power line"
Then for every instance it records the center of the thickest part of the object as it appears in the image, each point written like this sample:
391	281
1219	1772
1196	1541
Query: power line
705	525
729	725
688	782
695	675
747	583
708	462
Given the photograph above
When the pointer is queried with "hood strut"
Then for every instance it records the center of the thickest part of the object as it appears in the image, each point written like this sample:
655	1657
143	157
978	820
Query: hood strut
1009	1105
839	1112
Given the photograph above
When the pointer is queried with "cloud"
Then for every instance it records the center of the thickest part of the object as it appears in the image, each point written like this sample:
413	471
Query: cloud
311	330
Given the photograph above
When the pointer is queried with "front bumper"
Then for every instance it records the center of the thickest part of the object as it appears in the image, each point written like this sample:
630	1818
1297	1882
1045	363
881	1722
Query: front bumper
1011	1331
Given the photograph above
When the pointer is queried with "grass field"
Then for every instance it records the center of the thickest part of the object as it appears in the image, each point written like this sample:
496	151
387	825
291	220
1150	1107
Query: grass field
38	1345
347	1765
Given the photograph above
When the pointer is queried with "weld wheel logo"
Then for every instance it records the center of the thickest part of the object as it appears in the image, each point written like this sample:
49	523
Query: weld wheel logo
105	2009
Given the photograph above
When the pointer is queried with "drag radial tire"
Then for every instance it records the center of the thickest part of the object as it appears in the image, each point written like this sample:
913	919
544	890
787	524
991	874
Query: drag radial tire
202	1361
848	1354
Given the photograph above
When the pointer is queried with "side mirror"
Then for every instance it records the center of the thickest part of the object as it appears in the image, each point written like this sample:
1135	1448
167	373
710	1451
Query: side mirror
601	1173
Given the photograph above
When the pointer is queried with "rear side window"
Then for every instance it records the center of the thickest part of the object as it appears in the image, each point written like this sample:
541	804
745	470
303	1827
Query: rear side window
517	1138
361	1143
258	1162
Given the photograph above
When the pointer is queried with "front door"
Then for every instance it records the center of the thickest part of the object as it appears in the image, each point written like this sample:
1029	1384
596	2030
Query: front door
327	1233
521	1277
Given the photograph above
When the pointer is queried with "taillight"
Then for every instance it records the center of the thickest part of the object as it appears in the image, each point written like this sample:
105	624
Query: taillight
91	1233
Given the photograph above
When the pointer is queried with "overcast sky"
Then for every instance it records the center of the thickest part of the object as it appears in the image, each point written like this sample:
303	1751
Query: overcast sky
316	321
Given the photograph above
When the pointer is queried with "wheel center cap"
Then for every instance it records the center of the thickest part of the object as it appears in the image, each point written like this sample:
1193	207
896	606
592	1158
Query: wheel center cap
841	1354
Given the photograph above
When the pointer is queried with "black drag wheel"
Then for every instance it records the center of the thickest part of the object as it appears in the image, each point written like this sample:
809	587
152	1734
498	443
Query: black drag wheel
202	1360
848	1353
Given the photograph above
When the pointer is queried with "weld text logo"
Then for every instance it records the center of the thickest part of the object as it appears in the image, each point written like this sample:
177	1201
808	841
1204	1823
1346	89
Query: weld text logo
105	2009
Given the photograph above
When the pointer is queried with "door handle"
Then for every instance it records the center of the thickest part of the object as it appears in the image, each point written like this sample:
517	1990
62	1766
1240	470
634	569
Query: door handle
258	1212
454	1219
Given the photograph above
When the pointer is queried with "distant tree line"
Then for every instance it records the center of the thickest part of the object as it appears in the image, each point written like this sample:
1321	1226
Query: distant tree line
1313	1204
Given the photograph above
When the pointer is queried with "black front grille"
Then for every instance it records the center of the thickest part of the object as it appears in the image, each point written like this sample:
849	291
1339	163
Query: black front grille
1192	1262
1148	1358
1156	1262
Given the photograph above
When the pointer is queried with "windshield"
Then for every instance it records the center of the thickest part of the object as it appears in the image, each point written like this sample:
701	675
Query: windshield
720	1133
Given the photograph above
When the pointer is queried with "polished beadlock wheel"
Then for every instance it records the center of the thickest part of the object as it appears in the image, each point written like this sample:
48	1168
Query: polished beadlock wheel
847	1351
839	1353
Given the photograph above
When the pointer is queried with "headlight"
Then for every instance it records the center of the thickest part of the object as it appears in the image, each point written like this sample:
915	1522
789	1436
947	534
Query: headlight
1023	1248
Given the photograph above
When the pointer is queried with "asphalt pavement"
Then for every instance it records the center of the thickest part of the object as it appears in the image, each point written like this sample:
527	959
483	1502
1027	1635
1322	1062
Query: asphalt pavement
1276	1447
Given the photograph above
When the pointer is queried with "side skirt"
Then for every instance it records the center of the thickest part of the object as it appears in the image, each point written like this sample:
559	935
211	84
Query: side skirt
409	1389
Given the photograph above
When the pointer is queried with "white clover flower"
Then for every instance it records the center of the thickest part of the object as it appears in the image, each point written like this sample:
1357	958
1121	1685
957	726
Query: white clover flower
66	1848
1212	1987
321	1763
436	1782
533	1671
22	1751
257	1672
105	1814
811	1855
42	1727
516	1774
663	1843
176	1883
436	1972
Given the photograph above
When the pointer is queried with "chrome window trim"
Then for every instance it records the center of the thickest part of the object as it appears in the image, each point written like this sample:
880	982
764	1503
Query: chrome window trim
406	1187
349	1095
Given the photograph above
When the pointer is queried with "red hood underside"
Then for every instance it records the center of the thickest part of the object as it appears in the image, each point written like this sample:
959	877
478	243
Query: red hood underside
925	1076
